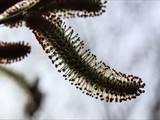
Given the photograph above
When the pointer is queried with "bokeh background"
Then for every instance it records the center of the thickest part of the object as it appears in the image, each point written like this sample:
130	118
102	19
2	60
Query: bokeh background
126	37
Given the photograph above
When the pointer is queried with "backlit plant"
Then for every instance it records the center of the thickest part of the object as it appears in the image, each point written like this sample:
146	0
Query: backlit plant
66	50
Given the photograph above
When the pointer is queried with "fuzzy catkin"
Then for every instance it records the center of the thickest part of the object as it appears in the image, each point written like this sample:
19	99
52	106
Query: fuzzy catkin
72	8
14	15
79	66
16	10
13	51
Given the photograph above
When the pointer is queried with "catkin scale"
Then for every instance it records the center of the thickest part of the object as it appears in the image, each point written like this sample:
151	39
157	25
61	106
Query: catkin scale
13	51
79	66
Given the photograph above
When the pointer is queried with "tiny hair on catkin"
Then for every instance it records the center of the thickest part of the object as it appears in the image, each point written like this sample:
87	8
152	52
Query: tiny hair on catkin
13	51
78	65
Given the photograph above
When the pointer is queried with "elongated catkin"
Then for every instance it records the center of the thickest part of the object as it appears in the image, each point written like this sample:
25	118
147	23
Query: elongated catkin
79	66
13	51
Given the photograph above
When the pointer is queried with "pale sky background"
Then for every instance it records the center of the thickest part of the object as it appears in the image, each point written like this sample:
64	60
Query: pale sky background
126	37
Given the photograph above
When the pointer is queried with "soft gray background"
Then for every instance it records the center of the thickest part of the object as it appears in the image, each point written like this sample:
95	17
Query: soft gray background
126	37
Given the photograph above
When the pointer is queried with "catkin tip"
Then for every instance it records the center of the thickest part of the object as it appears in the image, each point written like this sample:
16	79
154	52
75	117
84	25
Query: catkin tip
13	51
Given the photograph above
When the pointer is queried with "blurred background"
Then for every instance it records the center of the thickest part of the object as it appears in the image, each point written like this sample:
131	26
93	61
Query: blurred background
126	37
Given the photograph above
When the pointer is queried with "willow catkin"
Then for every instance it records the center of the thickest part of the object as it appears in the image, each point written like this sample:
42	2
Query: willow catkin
16	11
74	8
13	16
13	51
66	50
4	5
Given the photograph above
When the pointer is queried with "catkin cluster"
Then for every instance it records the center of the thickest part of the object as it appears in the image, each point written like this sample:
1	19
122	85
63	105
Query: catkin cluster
66	50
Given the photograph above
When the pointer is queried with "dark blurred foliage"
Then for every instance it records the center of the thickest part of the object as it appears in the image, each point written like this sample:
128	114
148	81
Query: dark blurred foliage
35	96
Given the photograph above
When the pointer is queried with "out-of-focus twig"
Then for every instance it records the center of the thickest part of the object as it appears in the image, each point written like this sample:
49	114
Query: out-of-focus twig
155	111
32	90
